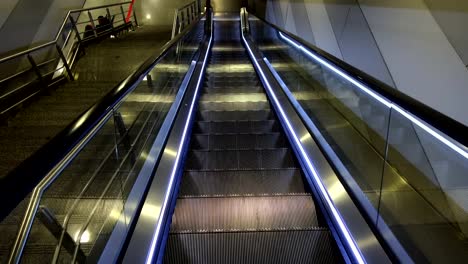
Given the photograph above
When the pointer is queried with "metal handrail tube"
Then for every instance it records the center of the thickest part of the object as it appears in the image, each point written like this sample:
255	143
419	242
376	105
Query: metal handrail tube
14	75
187	5
96	205
45	165
15	90
88	184
192	14
436	119
72	49
91	179
25	52
59	31
33	205
75	203
99	7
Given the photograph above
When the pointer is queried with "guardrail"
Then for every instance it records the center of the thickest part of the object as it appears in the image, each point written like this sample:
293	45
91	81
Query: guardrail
42	170
184	16
29	72
404	154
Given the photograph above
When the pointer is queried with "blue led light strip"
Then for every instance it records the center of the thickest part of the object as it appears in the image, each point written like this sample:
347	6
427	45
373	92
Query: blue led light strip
149	258
378	97
336	215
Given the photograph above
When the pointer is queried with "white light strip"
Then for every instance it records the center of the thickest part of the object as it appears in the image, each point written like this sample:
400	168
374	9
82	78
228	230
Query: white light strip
378	97
342	74
350	241
438	136
149	258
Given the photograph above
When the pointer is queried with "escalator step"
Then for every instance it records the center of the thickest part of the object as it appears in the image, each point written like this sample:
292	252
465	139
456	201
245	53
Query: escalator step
245	79
240	159
309	246
238	141
260	126
238	97
234	115
233	106
248	182
232	89
206	214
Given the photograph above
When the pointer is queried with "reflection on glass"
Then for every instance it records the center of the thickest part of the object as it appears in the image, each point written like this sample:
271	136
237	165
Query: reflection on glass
413	177
88	199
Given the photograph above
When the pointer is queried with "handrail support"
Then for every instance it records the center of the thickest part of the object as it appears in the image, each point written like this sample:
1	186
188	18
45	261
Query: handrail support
75	28
36	70
92	23
110	18
135	18
65	63
123	13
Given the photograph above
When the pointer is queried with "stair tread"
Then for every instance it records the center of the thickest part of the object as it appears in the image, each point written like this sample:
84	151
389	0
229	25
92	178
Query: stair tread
244	213
273	246
282	181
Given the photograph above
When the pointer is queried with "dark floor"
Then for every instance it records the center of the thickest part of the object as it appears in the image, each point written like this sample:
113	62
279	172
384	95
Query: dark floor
103	66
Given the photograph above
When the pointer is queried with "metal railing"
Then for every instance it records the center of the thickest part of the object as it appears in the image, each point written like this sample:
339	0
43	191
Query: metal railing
27	73
404	154
185	15
65	147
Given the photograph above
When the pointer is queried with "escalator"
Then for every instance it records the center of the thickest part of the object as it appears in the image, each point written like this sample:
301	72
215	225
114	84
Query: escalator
237	143
243	197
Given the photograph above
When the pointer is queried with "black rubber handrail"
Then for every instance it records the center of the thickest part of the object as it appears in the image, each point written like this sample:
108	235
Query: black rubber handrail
441	122
17	184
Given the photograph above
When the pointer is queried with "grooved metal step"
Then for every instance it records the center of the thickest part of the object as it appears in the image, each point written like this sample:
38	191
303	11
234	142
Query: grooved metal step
229	79
238	141
233	106
234	115
238	97
244	213
231	74
238	82
247	182
232	90
307	246
240	159
235	126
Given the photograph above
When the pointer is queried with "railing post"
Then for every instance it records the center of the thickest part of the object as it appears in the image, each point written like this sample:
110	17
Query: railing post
193	11
123	14
65	63
149	81
189	10
184	17
174	24
75	28
110	18
37	71
135	18
92	23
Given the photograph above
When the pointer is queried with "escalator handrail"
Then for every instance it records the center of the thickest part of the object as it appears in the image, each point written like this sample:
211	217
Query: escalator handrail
41	169
436	119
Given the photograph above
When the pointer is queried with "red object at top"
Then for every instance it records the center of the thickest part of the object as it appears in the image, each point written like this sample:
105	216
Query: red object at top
130	9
